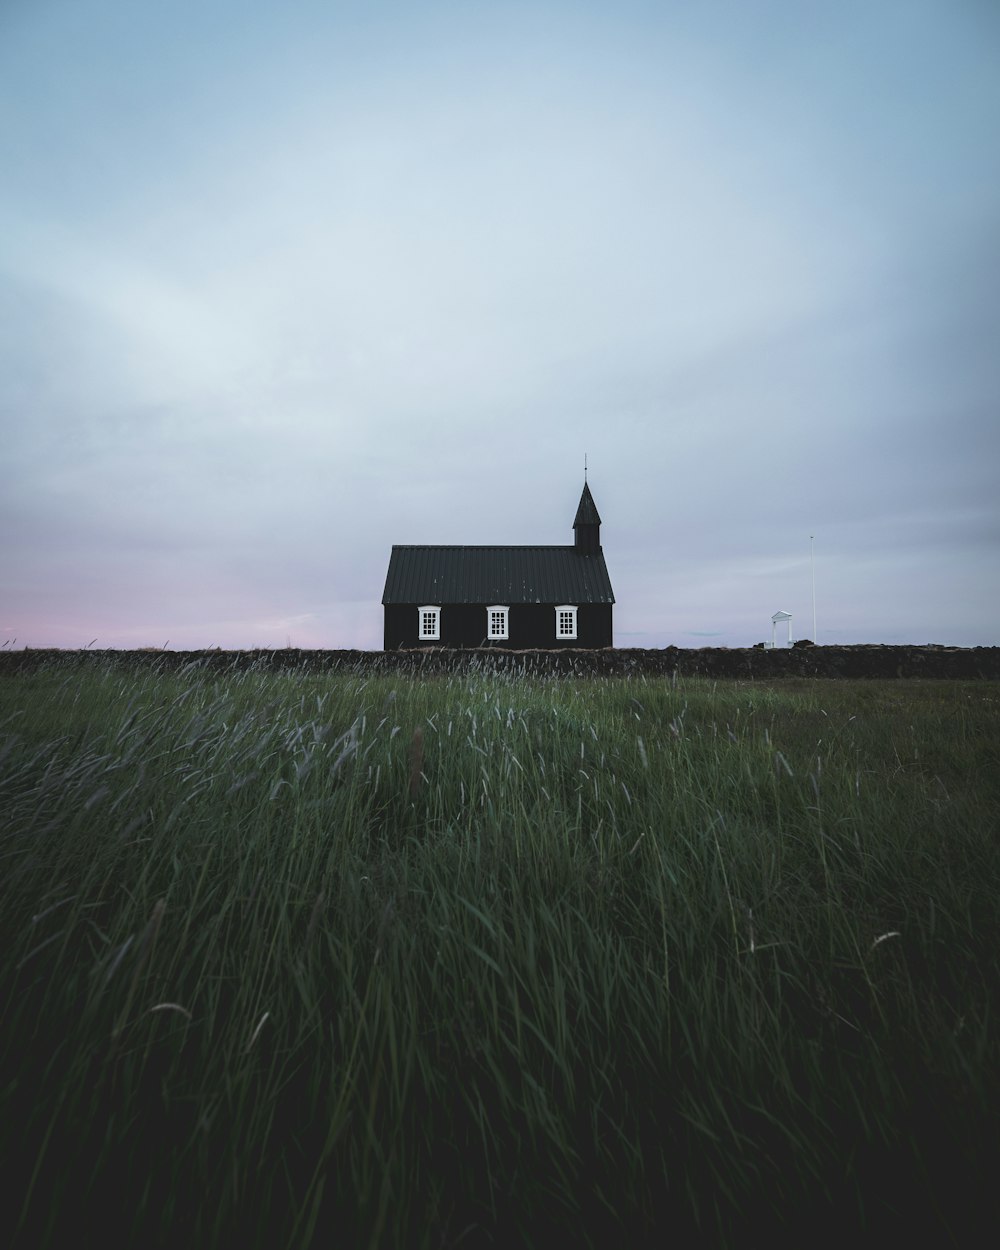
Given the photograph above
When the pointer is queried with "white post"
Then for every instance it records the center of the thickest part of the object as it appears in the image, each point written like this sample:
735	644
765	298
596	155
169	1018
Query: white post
812	567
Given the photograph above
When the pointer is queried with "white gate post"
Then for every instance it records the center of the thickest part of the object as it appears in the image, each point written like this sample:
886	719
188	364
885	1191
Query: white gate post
781	616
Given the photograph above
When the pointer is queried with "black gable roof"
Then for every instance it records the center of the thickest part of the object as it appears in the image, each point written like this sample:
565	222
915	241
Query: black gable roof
496	575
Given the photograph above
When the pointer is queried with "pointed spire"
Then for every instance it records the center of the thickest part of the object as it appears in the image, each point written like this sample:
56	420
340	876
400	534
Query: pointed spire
587	525
586	513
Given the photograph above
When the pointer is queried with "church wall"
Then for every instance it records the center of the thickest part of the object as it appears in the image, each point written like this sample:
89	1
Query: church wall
531	625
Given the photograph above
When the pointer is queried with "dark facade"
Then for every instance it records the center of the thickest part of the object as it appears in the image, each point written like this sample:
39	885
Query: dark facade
514	597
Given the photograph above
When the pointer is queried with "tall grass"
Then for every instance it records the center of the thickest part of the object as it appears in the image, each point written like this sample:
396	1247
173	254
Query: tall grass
297	959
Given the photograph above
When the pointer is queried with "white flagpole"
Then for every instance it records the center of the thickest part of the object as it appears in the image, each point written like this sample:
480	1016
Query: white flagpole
812	566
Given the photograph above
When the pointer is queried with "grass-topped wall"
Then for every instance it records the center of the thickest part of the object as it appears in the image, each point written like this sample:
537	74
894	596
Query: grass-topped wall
871	661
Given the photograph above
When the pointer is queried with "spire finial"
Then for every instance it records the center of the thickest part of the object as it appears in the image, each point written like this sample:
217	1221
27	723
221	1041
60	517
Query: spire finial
584	466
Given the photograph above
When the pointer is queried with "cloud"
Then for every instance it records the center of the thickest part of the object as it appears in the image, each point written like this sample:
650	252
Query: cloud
276	301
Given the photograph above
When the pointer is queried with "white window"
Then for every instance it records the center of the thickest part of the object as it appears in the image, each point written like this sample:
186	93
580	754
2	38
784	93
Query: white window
430	623
565	621
496	622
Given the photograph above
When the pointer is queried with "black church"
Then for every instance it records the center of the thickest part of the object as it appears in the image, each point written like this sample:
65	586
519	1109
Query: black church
516	597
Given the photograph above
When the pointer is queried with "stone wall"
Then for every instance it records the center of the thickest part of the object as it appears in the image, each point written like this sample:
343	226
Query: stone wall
749	663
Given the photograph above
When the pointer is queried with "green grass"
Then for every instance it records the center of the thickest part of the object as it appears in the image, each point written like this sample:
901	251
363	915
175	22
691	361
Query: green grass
296	959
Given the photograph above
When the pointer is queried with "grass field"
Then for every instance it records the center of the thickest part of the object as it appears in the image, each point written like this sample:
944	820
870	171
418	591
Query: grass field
295	960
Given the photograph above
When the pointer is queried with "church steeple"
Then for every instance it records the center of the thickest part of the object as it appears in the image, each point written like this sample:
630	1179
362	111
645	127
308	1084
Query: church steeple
587	525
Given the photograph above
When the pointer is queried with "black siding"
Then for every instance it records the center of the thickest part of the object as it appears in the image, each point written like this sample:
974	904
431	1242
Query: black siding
531	626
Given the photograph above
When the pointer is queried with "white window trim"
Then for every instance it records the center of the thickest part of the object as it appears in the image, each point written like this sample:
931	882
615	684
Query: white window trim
566	607
435	635
505	634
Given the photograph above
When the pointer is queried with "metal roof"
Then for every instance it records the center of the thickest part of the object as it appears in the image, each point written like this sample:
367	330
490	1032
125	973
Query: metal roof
486	575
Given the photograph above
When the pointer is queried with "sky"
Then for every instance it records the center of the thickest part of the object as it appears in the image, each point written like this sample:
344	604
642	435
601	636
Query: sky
282	284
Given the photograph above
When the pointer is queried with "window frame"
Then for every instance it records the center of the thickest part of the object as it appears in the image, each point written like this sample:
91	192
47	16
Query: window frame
505	635
435	635
573	609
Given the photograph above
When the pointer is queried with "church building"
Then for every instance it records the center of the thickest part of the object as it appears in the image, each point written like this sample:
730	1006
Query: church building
518	597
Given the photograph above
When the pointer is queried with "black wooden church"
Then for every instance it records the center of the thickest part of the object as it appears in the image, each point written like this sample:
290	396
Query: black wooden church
518	597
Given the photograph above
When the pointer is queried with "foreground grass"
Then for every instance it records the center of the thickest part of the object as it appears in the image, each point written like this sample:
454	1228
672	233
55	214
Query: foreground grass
294	960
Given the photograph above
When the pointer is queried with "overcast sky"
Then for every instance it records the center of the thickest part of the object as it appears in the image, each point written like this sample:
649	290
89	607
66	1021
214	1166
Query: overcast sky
284	283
